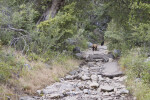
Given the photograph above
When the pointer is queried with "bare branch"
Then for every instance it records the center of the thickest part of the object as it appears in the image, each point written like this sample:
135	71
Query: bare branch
18	30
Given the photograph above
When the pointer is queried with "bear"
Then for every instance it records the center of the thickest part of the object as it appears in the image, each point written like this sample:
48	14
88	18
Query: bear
94	47
102	43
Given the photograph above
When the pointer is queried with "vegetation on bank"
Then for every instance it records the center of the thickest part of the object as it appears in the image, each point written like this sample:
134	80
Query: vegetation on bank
24	74
36	53
37	34
129	32
137	68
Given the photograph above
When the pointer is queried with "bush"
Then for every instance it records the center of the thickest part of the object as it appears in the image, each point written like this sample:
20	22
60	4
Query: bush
9	67
136	67
134	63
55	31
0	44
33	57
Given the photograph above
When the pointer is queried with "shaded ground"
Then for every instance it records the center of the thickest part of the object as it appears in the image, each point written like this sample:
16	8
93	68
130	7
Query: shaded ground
96	79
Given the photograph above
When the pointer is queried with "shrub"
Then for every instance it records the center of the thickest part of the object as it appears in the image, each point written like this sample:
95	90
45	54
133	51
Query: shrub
9	67
33	57
0	44
55	31
136	67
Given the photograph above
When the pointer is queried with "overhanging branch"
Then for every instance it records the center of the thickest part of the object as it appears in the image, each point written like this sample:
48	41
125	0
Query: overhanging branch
18	30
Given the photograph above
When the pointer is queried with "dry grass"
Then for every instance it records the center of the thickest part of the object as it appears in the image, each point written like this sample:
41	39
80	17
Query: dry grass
40	76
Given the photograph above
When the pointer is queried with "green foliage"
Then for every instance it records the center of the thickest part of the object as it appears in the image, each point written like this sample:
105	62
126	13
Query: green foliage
116	37
9	67
0	44
134	64
50	34
24	18
20	17
137	67
56	30
130	25
33	57
81	40
4	72
146	73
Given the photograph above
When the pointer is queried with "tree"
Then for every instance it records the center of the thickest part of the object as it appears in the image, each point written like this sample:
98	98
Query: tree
52	10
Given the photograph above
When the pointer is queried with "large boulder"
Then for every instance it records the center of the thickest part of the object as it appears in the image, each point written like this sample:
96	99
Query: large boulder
94	85
91	58
117	53
112	69
26	98
110	55
107	88
76	50
79	55
89	44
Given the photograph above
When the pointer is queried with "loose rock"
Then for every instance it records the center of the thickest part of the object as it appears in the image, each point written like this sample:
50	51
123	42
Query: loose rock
85	77
107	88
56	95
94	85
94	78
124	91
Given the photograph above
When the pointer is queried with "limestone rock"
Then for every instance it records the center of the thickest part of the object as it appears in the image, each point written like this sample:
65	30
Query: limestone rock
94	77
90	64
26	98
124	91
109	98
94	85
110	60
85	77
39	92
107	88
79	55
56	95
86	91
69	77
100	78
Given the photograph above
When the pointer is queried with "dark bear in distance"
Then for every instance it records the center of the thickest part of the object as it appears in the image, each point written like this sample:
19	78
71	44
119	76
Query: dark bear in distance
102	43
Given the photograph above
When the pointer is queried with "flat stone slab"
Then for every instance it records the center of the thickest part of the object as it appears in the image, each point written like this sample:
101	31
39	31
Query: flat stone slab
97	56
107	88
112	69
100	50
102	47
94	85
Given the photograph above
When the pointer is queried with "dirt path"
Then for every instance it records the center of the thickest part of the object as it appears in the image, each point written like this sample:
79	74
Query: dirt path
96	79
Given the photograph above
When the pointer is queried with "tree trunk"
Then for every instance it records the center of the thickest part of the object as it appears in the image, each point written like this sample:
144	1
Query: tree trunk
52	10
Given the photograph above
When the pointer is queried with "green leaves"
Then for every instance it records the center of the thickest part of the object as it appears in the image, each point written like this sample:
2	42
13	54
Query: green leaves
56	30
9	66
131	23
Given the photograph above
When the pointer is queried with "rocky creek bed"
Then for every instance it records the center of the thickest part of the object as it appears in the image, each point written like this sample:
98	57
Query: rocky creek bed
97	78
